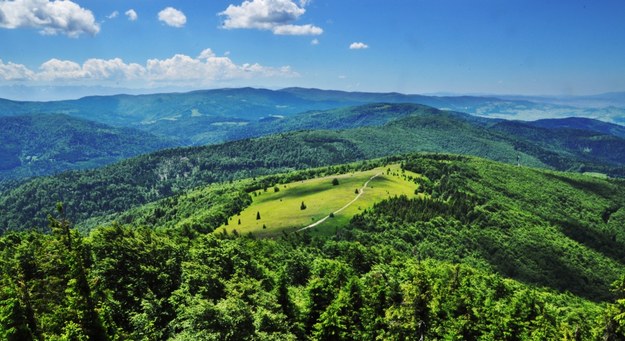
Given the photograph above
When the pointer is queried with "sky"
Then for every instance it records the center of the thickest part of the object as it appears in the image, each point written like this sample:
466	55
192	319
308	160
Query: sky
526	47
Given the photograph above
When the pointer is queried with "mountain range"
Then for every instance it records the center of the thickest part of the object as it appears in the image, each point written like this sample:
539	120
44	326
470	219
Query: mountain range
369	131
216	116
213	112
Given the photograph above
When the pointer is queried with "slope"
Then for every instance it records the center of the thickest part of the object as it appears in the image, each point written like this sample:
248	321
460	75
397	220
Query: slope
567	149
36	145
553	229
151	177
557	230
582	123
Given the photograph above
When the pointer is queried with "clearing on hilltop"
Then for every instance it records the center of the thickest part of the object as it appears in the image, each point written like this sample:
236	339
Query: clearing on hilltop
328	206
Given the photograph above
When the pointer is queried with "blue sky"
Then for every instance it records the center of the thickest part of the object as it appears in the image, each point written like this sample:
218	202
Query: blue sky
411	46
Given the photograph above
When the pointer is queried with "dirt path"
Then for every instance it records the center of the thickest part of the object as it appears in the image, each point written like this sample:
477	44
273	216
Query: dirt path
361	191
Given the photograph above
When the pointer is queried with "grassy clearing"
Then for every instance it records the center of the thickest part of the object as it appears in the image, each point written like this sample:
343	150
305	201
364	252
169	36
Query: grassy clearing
596	175
281	211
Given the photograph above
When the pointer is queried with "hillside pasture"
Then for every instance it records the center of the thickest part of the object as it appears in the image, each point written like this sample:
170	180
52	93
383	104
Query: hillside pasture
282	210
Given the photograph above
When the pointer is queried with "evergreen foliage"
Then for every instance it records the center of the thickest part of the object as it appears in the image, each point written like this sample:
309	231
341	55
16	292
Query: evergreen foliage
485	251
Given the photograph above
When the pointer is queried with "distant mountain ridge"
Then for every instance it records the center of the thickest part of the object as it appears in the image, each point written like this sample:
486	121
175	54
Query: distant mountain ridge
207	116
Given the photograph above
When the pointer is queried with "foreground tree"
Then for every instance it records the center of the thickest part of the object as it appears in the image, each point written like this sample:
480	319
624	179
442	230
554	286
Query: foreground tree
85	320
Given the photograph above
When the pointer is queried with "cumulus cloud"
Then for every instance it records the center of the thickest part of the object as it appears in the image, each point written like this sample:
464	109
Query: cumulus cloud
55	69
314	42
274	15
358	46
113	15
112	69
50	17
15	72
92	69
207	68
131	14
172	17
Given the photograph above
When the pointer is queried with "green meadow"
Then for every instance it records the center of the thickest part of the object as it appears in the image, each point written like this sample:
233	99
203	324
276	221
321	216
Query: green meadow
282	210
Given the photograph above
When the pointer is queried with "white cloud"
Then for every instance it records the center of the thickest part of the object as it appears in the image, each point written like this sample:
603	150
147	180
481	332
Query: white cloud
314	42
92	69
358	46
51	17
113	15
55	69
205	69
112	69
172	17
131	14
15	72
206	54
297	30
274	15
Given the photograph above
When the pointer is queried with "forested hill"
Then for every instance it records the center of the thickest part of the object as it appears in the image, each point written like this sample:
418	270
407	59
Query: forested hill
484	251
581	123
559	230
35	145
150	177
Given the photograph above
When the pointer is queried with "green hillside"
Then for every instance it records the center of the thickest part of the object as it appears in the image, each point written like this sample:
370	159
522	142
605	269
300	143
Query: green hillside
280	208
154	176
38	145
465	209
484	251
581	123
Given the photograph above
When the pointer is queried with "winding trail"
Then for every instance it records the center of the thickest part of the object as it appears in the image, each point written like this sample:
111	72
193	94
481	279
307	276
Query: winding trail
361	191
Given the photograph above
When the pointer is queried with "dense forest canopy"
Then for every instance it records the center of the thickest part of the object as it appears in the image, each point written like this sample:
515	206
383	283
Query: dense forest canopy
487	251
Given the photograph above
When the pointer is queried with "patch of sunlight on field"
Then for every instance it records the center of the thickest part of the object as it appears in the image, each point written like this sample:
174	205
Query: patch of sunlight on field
280	211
